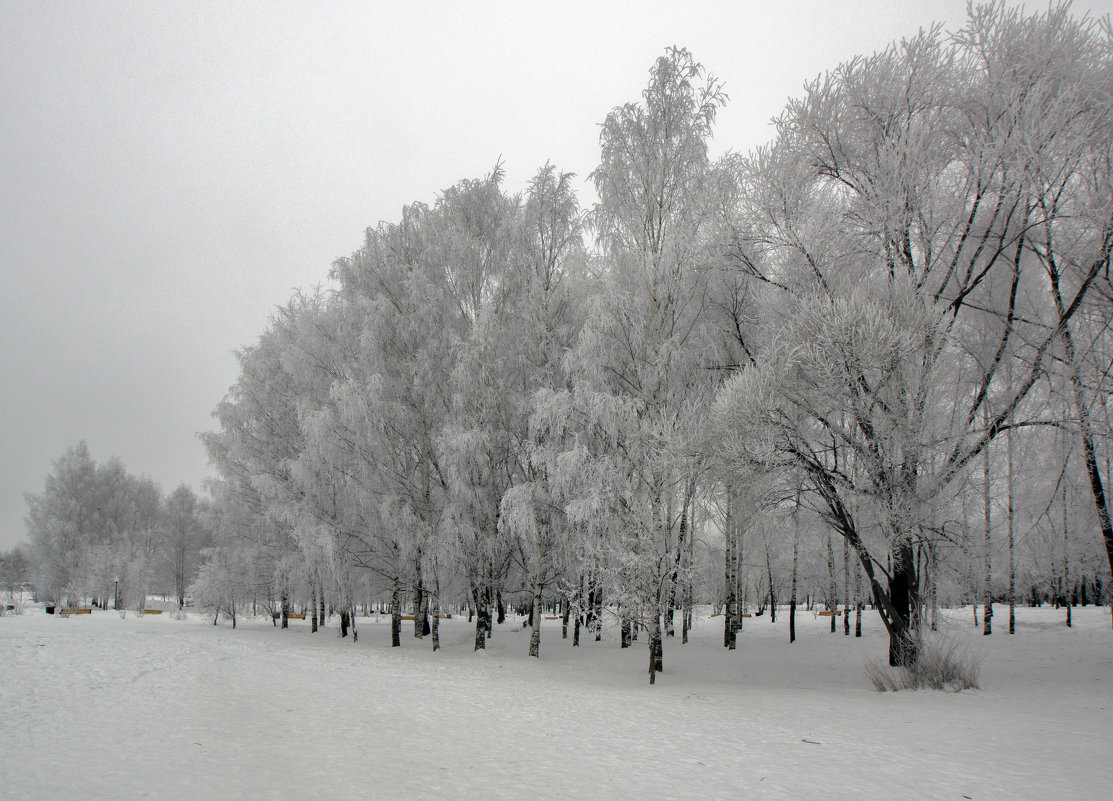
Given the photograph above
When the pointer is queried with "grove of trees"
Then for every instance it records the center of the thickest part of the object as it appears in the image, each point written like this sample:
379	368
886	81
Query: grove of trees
102	535
866	363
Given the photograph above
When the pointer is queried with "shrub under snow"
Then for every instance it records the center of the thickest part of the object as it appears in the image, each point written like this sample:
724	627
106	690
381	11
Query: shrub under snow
943	665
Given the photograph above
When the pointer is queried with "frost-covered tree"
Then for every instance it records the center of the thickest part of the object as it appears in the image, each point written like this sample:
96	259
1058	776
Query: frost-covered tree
525	343
898	228
186	536
259	440
93	526
15	570
638	383
478	241
60	525
412	303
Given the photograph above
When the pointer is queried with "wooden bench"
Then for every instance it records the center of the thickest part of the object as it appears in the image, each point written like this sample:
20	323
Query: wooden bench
298	616
151	611
74	610
829	613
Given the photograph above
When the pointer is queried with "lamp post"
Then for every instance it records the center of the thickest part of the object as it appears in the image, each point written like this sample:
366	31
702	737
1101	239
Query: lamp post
116	594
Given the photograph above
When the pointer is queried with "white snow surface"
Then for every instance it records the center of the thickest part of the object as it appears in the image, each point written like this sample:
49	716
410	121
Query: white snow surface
103	707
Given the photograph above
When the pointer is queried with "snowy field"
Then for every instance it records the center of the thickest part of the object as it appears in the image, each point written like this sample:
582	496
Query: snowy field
98	707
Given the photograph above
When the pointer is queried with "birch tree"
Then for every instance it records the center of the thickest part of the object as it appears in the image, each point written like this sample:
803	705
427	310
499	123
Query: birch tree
636	370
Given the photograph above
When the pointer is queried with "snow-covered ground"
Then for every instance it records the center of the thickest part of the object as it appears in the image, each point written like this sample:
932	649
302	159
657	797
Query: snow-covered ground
99	707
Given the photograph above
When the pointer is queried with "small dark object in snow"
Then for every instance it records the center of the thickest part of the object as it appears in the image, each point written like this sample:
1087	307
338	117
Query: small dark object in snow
813	742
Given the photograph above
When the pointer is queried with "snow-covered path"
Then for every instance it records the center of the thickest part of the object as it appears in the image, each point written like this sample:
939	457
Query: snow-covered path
99	707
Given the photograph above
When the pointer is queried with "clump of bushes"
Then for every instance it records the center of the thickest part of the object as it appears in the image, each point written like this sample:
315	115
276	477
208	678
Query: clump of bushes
942	665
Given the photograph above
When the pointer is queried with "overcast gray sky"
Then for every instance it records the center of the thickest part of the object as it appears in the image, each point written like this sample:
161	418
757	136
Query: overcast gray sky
170	172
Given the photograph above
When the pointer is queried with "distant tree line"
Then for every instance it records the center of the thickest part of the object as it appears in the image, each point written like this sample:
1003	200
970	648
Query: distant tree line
866	363
102	535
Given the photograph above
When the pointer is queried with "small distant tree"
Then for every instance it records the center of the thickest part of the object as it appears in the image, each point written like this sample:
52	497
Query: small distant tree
222	583
15	570
185	538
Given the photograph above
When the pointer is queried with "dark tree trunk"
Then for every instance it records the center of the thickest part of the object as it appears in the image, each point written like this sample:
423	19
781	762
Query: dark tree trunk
435	630
772	592
689	589
535	622
795	570
1082	411
482	618
846	587
832	587
490	596
987	587
313	615
396	617
598	614
419	610
285	610
902	600
1011	521
656	648
858	600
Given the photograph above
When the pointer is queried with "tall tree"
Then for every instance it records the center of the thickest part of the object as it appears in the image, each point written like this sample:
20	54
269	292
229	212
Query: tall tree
895	225
636	368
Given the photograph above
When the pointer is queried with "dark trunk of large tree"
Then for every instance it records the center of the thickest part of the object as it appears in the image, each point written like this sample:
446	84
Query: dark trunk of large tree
902	600
435	630
535	626
795	572
772	589
482	617
313	613
396	617
419	609
1082	410
656	648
